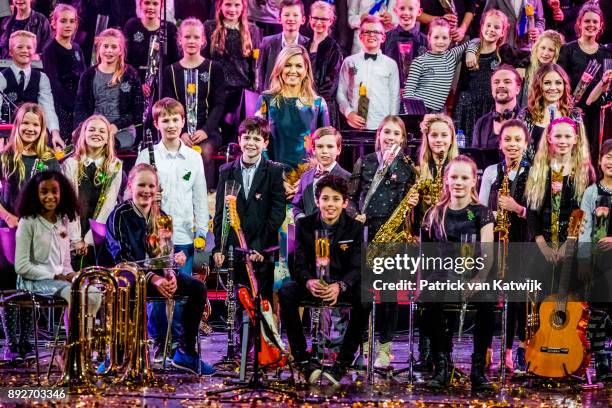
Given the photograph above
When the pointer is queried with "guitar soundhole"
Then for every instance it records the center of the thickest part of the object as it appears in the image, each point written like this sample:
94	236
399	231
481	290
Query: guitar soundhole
558	319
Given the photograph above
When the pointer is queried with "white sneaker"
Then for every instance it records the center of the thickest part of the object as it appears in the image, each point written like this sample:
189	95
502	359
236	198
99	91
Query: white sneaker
383	355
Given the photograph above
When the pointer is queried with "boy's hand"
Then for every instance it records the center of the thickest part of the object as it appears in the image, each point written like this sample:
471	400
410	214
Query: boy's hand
218	257
56	140
451	18
457	34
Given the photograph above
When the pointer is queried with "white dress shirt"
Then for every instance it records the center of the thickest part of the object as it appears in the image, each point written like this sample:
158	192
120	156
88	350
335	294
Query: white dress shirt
248	173
184	194
381	79
45	97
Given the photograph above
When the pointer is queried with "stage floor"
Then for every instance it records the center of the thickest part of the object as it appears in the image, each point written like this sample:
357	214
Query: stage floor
183	390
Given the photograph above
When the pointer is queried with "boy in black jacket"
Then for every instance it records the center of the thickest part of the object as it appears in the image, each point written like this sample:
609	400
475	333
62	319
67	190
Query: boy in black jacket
345	237
260	203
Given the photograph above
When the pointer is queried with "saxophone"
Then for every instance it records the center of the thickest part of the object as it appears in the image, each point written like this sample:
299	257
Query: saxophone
398	228
502	221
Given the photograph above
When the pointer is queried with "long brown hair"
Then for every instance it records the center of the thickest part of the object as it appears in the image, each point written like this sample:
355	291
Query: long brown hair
13	151
437	214
120	66
536	104
217	39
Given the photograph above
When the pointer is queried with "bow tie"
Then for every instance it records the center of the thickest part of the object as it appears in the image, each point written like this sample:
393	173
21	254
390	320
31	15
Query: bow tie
320	173
370	56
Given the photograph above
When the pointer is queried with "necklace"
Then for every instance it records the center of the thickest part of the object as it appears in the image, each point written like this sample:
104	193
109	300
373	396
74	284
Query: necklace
607	190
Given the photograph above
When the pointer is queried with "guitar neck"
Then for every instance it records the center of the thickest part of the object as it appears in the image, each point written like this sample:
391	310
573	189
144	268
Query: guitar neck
247	262
566	269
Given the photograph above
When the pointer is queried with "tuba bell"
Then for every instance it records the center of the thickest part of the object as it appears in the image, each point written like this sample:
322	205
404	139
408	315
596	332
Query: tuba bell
78	374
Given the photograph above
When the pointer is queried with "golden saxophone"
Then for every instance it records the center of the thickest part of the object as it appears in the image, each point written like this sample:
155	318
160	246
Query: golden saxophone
502	221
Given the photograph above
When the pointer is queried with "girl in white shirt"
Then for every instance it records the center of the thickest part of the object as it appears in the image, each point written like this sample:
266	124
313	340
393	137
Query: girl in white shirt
42	254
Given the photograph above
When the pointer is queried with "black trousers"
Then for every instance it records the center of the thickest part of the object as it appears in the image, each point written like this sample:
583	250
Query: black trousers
292	293
195	292
440	330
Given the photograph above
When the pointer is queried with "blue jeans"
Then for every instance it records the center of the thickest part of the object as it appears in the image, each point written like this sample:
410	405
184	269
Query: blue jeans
158	322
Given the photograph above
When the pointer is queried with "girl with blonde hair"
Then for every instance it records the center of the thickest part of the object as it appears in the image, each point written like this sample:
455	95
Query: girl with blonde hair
292	106
544	51
559	176
95	173
111	88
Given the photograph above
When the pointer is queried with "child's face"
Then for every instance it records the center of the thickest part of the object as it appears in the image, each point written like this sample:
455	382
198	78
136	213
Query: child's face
460	180
252	145
439	138
606	164
291	18
191	40
326	150
231	10
504	86
29	128
294	71
96	134
22	50
330	203
321	21
110	50
170	126
590	25
407	12
371	36
390	134
562	139
546	51
439	39
65	24
492	29
143	187
552	87
513	143
49	194
150	8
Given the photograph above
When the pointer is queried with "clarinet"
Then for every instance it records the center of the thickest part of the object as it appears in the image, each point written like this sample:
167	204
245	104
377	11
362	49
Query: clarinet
230	302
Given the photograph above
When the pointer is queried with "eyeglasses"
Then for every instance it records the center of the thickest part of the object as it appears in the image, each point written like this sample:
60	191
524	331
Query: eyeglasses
371	33
320	19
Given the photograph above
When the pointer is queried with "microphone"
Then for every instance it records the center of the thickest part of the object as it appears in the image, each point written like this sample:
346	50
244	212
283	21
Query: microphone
552	108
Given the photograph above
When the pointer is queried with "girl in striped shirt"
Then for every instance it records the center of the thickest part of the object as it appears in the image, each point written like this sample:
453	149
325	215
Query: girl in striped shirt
431	75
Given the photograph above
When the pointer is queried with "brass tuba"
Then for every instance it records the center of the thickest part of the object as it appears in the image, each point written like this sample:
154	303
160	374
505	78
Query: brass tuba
78	373
137	365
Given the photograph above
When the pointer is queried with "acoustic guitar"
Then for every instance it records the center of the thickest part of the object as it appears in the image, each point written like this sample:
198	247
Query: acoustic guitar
560	348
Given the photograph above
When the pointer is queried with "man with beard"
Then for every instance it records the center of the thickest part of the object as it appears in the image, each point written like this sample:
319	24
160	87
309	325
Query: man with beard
505	86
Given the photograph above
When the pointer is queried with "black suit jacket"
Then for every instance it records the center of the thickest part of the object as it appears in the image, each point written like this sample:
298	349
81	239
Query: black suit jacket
304	199
261	213
344	250
271	46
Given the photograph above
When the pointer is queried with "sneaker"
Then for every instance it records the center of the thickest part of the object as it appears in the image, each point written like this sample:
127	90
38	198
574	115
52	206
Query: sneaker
189	362
383	355
509	360
103	365
520	364
12	354
158	353
335	374
310	370
27	351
